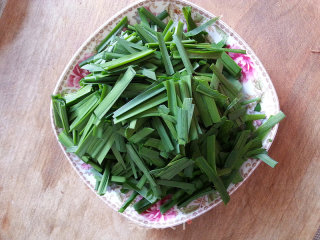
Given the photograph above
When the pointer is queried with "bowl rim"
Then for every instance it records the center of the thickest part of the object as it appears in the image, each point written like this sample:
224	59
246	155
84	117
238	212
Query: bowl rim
231	32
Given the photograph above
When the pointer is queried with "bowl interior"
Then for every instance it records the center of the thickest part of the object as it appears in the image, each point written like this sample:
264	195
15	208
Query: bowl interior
255	81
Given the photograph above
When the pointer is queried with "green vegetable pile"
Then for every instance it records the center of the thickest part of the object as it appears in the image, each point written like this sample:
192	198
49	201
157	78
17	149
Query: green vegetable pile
161	113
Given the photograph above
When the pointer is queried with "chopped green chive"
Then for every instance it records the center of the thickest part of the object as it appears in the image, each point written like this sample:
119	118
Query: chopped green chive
165	55
164	14
128	202
175	168
251	101
104	43
196	195
268	160
114	94
153	18
211	152
65	139
250	117
230	65
191	24
172	97
184	57
270	123
201	28
126	59
134	156
213	177
149	93
104	180
146	37
166	142
73	98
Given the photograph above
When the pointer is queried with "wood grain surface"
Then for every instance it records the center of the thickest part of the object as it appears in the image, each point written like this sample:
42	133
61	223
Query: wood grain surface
42	197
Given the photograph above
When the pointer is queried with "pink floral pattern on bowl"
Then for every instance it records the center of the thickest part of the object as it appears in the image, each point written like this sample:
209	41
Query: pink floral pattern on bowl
154	214
77	74
244	61
255	80
85	166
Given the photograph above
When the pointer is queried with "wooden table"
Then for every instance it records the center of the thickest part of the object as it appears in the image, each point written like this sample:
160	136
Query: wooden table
42	197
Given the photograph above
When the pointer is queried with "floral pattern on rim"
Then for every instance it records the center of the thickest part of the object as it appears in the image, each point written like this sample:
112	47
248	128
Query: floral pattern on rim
77	74
86	166
257	123
245	62
154	214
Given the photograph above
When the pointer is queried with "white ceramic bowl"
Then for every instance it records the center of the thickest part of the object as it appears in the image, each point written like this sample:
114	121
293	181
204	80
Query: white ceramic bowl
255	80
